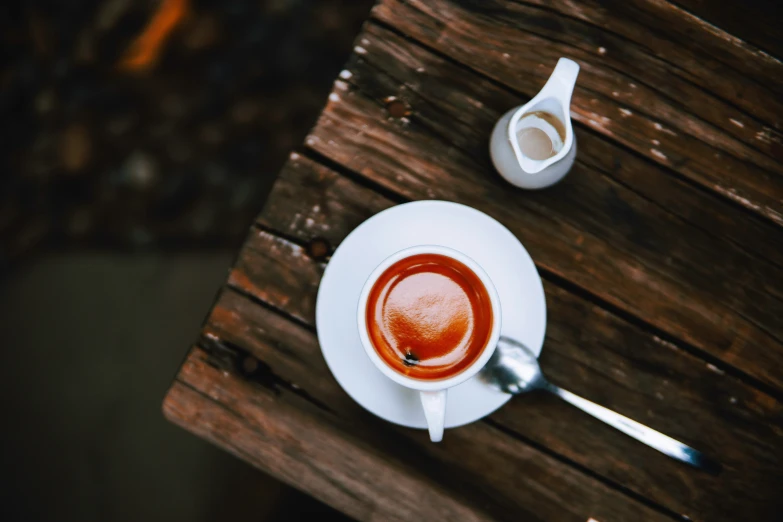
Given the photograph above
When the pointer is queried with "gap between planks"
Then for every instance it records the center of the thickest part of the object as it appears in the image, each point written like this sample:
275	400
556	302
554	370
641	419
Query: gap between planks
390	194
716	30
673	101
563	283
721	195
707	26
586	471
279	384
373	97
304	239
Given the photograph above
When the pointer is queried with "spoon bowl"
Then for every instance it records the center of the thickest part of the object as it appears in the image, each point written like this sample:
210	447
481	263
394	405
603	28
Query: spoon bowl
513	369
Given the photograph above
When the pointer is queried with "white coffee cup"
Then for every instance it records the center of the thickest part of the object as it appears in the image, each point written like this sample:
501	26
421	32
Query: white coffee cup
432	392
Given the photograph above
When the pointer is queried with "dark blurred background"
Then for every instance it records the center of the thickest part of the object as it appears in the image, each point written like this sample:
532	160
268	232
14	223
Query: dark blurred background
139	140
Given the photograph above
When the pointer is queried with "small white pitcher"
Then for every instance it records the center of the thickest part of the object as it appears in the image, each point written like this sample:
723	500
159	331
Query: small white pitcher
555	99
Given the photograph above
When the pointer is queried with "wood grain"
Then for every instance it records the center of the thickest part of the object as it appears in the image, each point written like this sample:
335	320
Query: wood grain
624	92
335	204
590	229
759	26
694	48
660	254
475	103
588	350
400	475
301	448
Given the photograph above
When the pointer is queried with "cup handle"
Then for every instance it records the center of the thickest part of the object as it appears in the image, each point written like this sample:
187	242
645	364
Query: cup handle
434	405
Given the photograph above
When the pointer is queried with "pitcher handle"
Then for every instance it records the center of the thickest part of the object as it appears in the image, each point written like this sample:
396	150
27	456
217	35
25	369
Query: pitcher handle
562	81
434	405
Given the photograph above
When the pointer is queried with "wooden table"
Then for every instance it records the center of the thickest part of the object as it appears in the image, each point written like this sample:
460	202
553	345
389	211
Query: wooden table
661	254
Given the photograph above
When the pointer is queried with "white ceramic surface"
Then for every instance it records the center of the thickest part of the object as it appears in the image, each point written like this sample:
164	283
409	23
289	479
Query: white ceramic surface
433	393
554	98
456	226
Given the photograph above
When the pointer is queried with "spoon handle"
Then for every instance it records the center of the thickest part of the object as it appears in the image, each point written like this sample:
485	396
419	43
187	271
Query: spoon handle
640	432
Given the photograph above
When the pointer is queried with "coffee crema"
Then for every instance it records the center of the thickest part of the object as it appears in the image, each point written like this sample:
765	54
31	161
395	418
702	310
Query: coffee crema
429	316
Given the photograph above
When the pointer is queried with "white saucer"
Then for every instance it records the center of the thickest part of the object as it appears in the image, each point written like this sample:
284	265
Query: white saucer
462	228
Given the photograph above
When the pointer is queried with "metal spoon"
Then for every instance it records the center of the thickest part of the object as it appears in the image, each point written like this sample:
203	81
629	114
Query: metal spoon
514	369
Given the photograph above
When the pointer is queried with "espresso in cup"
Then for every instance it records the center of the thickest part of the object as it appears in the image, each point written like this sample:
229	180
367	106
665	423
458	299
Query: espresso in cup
429	317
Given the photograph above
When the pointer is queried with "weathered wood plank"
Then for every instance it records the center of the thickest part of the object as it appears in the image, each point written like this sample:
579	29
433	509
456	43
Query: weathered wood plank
302	449
450	95
336	204
292	268
294	354
660	94
588	350
629	371
672	111
711	215
698	50
625	92
400	475
750	21
756	22
589	229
